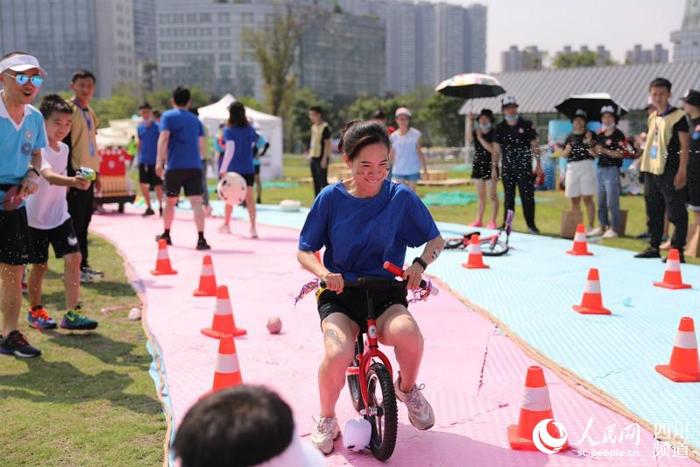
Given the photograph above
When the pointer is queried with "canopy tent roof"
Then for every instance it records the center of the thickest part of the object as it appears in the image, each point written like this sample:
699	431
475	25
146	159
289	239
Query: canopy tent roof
219	111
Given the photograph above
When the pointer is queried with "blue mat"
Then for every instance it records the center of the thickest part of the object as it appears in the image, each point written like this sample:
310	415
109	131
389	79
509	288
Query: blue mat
532	289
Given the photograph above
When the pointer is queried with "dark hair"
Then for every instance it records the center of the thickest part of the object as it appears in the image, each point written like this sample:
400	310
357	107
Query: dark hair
236	115
379	115
660	83
156	113
488	113
356	134
16	52
181	96
317	109
243	426
54	103
82	74
144	106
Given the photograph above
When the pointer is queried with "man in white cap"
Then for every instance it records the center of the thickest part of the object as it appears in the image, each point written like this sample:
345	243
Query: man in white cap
22	136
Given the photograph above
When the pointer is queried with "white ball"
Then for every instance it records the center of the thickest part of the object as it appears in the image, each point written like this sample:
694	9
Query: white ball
357	434
135	314
232	189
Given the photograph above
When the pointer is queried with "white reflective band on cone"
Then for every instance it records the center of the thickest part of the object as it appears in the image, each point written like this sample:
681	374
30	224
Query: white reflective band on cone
474	248
227	363
592	287
536	399
673	265
207	271
223	307
163	254
686	340
580	238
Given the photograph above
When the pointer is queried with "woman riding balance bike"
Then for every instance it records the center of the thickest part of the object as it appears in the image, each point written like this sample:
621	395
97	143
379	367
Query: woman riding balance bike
363	222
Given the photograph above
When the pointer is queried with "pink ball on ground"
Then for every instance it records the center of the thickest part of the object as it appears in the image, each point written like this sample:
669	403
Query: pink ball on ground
274	325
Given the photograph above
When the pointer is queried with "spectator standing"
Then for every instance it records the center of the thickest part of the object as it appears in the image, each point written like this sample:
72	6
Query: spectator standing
485	165
147	148
406	155
580	181
319	149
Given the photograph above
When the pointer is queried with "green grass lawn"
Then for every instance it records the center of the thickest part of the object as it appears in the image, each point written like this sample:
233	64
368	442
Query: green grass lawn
88	400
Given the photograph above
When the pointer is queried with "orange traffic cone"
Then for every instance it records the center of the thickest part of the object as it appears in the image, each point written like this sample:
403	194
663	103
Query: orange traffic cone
228	371
592	301
163	266
207	279
223	323
672	277
580	247
684	366
536	407
475	260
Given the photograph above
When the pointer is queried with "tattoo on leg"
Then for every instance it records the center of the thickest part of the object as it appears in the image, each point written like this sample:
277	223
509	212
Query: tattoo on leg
332	336
436	253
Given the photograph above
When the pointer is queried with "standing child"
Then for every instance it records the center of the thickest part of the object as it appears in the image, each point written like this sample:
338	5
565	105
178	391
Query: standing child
51	224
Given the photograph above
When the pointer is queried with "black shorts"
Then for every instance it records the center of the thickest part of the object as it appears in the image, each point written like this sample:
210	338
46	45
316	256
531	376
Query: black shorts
147	176
15	237
693	181
481	169
257	169
189	179
353	303
249	178
61	238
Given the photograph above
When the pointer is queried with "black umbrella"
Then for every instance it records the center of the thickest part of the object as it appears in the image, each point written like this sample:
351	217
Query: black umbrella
470	86
591	104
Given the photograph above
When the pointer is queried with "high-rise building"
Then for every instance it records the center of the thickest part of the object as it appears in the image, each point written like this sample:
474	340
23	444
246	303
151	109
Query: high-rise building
342	56
427	42
64	36
686	41
530	58
641	56
145	43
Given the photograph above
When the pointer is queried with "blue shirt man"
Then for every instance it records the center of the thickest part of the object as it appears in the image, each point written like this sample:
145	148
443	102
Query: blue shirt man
148	133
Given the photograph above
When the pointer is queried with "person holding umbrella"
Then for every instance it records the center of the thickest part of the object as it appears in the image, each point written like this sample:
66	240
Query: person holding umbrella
611	147
515	139
485	166
580	181
691	105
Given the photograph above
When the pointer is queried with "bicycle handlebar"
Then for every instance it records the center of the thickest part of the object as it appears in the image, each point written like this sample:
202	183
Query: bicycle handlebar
369	282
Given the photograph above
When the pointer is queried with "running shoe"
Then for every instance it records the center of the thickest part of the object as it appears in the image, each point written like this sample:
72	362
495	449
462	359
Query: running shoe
39	318
610	233
325	432
420	412
94	272
225	228
476	223
75	321
650	252
148	212
16	344
165	237
492	225
595	232
253	233
202	244
86	277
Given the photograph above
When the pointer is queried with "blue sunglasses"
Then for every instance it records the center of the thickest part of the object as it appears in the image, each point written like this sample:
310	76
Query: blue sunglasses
22	79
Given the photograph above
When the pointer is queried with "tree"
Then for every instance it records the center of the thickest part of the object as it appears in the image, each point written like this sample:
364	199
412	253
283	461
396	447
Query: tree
122	104
440	120
161	98
579	59
298	126
275	49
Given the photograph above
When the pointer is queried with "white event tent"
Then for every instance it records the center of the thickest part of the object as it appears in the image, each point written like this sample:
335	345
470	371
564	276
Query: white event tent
270	126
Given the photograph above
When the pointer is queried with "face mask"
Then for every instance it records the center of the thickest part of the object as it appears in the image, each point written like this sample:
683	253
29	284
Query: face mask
511	118
608	127
485	127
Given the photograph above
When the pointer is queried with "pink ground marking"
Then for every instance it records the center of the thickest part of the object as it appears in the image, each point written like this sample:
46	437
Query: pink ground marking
473	408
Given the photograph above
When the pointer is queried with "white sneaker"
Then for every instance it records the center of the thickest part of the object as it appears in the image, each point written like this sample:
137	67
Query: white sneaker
224	228
610	233
325	432
420	413
594	232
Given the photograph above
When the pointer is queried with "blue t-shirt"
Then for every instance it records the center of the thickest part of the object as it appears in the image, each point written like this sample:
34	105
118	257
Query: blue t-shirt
361	233
259	145
183	144
17	143
244	138
148	137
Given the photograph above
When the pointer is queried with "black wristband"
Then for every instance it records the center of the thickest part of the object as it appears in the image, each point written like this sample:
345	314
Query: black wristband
420	261
32	169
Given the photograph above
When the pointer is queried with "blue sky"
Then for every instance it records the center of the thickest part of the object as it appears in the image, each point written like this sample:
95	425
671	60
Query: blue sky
551	24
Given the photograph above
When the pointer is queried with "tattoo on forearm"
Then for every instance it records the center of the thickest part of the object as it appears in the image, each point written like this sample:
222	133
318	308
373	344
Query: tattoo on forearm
436	253
332	335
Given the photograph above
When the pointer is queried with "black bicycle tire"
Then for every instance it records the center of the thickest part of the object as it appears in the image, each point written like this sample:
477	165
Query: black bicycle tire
355	393
454	243
487	251
383	449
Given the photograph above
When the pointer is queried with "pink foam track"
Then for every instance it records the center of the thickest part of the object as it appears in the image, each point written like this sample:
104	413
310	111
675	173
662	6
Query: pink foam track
473	374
